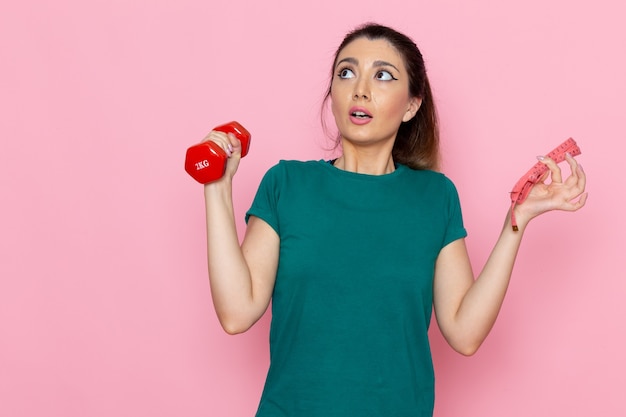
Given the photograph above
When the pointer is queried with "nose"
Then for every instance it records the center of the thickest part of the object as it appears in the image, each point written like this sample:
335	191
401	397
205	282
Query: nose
361	90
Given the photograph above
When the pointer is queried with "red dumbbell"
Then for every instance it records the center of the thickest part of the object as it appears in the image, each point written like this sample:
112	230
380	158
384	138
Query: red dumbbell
206	161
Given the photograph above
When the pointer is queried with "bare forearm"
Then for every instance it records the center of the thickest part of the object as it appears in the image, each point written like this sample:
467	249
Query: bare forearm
482	302
230	280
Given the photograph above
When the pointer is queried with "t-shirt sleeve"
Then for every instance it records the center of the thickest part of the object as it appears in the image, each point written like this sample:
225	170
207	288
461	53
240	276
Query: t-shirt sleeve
456	229
266	198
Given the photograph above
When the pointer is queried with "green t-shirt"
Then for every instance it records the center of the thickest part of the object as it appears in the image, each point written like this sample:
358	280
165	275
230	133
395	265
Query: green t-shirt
352	300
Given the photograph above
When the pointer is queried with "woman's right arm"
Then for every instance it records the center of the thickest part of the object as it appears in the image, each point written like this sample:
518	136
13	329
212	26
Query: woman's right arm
241	276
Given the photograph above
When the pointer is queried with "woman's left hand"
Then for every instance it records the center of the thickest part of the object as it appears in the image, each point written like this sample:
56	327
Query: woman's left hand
568	195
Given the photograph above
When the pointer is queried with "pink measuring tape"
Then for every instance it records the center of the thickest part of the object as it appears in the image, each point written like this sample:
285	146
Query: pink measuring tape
523	186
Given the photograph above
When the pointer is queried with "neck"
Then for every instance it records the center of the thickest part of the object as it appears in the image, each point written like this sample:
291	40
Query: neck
366	161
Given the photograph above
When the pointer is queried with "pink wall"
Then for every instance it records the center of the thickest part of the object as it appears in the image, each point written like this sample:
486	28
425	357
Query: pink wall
104	302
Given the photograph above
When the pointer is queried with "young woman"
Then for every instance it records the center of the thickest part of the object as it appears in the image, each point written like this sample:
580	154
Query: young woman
355	252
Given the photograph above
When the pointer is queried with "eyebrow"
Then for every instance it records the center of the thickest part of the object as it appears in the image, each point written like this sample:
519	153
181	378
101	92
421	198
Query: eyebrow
376	64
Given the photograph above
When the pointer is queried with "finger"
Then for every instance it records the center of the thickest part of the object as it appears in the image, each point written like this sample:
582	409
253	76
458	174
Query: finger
555	171
573	164
574	187
582	177
544	177
235	144
576	205
221	139
577	169
582	200
577	180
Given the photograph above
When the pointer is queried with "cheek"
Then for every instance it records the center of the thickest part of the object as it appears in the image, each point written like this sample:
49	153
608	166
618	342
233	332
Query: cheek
341	91
335	103
397	104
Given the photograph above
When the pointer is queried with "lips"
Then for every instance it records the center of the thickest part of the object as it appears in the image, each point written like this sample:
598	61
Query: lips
360	115
360	112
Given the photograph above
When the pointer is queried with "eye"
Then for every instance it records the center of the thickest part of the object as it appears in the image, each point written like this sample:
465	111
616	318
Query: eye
385	76
345	73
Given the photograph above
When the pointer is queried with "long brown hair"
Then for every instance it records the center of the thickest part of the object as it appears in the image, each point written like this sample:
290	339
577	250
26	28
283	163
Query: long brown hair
417	141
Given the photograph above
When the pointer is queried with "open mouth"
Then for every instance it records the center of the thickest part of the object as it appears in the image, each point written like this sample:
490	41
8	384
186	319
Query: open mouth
360	115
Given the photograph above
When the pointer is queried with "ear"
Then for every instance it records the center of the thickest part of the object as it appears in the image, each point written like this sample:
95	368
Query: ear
414	105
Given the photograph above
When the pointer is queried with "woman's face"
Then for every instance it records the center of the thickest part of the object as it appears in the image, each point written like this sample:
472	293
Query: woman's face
370	92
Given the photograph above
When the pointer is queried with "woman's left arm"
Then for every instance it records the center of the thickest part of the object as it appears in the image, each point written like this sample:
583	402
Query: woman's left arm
466	309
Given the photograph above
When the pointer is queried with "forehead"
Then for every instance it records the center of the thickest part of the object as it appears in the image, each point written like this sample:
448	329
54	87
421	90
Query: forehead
367	50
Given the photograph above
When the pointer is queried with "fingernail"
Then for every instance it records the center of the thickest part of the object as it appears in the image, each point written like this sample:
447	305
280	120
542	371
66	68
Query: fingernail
230	147
568	154
541	157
